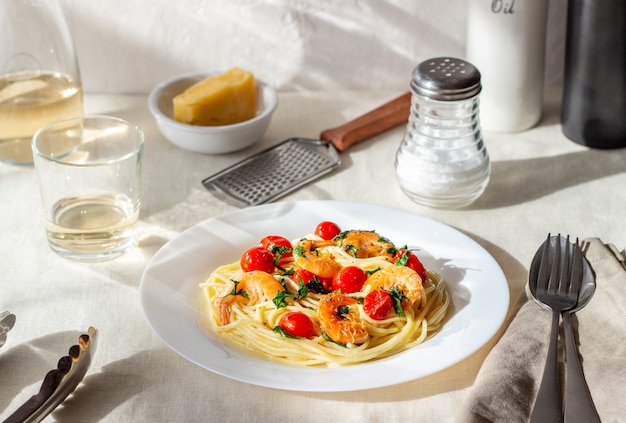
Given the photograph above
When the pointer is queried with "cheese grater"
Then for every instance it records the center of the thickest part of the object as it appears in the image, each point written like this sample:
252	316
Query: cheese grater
290	164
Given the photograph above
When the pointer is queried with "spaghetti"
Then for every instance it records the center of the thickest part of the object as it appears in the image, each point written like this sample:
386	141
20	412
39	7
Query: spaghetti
245	308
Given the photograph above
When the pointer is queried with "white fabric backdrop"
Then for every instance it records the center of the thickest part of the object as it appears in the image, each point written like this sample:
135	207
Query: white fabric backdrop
129	46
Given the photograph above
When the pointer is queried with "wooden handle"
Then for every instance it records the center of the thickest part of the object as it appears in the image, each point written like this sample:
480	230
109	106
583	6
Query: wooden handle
387	116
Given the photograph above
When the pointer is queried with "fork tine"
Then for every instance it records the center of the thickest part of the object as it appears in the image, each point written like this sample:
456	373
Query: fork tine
555	273
577	271
565	276
543	278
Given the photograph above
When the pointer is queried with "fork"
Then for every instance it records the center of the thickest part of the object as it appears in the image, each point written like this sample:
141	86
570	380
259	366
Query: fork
558	283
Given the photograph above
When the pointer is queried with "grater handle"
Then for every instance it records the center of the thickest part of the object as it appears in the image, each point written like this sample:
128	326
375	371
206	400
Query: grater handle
387	116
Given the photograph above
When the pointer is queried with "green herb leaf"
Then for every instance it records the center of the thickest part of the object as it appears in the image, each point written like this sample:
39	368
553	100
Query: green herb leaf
371	272
398	297
329	339
241	292
282	333
278	251
280	300
403	259
299	251
303	290
342	310
316	286
351	249
340	236
286	272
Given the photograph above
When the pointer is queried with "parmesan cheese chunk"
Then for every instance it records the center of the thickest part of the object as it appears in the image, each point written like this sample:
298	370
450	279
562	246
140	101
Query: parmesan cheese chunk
218	100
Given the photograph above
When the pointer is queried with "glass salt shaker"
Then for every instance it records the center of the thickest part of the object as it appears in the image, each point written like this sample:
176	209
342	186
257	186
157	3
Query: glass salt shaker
442	161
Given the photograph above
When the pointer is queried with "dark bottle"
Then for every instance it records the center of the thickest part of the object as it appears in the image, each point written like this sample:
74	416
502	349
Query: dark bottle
594	86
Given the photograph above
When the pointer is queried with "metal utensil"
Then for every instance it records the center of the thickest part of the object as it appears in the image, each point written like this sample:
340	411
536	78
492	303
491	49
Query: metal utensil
60	382
7	321
555	280
278	170
579	406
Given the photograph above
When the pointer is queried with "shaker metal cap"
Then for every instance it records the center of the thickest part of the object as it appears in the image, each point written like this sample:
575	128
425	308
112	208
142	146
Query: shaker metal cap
446	78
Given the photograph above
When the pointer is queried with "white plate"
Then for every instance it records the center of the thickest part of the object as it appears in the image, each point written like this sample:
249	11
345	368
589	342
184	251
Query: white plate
170	295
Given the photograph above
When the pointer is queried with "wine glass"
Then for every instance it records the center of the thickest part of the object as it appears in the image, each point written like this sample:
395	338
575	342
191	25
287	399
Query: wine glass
39	75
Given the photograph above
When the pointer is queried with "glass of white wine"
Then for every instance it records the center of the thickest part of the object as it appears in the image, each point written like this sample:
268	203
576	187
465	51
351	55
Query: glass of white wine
39	74
89	170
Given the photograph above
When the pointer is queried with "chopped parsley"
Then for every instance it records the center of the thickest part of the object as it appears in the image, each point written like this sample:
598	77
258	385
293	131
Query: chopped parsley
397	296
329	339
342	310
282	333
403	259
241	292
299	250
316	286
278	251
280	300
352	250
371	272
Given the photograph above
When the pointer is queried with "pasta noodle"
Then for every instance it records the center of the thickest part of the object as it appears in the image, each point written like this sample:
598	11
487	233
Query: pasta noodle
252	325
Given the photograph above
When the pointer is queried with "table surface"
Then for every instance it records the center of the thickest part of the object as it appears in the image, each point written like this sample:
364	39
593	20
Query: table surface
541	182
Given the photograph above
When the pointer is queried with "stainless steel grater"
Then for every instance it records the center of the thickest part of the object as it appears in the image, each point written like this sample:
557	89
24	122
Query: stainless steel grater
273	172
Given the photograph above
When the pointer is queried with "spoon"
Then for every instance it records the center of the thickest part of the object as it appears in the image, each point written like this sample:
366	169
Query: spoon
582	409
579	406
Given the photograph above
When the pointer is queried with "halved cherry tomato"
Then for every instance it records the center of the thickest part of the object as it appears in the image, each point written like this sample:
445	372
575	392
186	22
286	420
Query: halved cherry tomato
279	246
296	323
378	304
258	258
349	279
327	230
407	258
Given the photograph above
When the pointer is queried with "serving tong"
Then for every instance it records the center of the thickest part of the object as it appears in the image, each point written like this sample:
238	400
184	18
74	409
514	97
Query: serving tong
7	321
60	382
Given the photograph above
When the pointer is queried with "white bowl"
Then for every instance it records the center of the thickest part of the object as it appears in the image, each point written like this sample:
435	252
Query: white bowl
209	139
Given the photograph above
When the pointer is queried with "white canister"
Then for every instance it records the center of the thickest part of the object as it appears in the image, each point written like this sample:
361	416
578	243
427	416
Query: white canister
506	42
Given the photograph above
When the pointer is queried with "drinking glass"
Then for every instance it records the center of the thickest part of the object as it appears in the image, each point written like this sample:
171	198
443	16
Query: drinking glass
89	170
39	76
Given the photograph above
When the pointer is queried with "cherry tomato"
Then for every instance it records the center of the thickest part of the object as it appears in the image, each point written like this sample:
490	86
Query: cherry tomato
327	284
349	279
327	230
296	323
407	258
279	246
303	275
378	304
258	258
313	282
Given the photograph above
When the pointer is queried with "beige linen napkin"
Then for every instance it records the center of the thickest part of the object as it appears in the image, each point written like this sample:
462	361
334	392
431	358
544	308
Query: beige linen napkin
507	383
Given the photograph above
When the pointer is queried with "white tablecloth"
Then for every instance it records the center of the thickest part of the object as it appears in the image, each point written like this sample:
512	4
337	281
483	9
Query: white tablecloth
541	182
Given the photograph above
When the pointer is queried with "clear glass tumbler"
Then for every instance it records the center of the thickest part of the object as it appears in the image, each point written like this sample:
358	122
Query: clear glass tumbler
89	170
39	75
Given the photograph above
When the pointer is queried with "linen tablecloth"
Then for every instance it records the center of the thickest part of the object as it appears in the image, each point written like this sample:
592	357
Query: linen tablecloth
541	182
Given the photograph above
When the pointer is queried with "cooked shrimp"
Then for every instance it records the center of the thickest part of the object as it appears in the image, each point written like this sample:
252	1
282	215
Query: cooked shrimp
307	254
401	277
342	326
254	287
364	244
